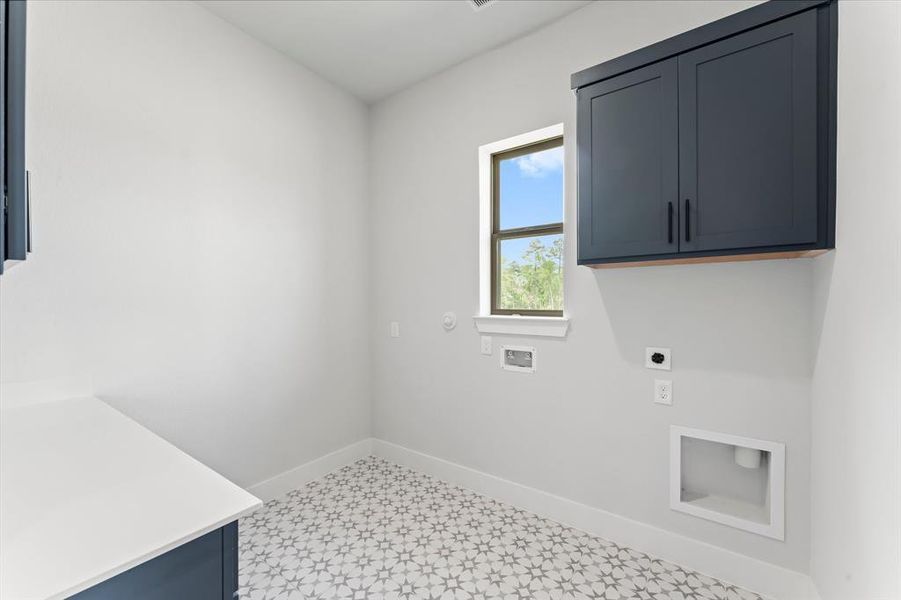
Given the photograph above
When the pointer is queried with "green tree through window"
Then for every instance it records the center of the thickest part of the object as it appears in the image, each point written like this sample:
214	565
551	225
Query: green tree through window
534	282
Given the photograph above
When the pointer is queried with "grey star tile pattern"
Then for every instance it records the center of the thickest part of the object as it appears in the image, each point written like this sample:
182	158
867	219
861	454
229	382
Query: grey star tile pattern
377	531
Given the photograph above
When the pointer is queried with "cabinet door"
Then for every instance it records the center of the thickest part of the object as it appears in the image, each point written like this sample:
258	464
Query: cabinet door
14	133
628	169
748	139
3	225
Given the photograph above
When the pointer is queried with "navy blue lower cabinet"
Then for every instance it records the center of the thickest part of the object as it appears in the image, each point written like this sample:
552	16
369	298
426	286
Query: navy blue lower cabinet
202	569
717	144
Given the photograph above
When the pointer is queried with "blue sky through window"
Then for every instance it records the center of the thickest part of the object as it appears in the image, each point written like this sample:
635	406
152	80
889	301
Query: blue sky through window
531	193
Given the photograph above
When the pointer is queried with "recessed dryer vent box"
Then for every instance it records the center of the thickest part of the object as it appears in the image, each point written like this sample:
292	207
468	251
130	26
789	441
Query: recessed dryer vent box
732	480
520	359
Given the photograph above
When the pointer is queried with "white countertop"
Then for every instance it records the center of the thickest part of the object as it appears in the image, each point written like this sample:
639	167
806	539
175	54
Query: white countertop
87	493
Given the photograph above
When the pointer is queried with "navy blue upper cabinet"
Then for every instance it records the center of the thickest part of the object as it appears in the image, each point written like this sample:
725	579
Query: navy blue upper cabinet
716	143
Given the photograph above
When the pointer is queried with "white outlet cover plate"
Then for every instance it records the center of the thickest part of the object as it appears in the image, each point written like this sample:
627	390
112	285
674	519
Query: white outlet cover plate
663	391
667	358
486	345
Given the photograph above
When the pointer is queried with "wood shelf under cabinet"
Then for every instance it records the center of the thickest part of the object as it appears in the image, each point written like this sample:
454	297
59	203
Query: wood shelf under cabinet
695	260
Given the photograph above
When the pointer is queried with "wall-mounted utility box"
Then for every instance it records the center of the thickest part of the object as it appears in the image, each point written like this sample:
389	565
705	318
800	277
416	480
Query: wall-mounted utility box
733	480
520	359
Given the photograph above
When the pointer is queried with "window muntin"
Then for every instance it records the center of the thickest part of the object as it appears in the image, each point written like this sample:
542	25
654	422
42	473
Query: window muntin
527	230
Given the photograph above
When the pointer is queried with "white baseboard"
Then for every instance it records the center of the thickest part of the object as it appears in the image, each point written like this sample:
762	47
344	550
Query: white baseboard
764	578
298	476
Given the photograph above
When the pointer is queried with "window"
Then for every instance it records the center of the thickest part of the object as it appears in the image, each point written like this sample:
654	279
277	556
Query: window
527	230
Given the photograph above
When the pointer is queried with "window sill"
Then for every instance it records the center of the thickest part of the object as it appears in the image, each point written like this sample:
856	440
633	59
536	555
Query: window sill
516	325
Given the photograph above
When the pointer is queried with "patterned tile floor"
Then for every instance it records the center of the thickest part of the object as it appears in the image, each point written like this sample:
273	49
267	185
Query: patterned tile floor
378	531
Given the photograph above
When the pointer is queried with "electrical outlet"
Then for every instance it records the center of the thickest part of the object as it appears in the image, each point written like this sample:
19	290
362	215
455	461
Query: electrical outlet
657	358
395	329
486	345
663	391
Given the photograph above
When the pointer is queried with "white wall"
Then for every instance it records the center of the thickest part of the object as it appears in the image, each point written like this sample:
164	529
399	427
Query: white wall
856	424
188	187
584	426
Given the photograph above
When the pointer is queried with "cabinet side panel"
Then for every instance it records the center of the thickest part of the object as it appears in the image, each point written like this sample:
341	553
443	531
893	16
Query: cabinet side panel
193	571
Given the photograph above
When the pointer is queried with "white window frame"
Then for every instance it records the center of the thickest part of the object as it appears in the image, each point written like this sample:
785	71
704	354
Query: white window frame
485	322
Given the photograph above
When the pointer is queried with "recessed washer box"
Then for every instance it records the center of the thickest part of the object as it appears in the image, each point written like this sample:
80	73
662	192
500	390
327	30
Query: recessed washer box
520	359
733	480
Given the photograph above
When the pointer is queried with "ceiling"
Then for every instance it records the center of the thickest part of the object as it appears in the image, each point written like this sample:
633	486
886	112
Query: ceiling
373	48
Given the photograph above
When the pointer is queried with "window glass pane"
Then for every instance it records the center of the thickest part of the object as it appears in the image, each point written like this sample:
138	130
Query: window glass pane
530	273
531	189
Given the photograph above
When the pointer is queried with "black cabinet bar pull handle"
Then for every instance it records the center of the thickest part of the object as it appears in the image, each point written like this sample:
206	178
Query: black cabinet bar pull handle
687	221
28	209
670	221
